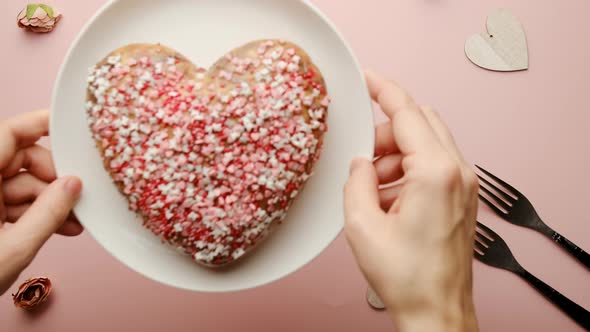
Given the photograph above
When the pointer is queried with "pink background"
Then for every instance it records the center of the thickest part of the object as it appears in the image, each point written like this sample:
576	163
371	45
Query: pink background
529	127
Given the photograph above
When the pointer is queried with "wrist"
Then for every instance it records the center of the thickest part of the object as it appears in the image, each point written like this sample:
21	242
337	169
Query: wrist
452	317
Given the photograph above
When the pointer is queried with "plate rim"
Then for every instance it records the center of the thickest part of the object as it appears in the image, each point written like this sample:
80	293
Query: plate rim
163	281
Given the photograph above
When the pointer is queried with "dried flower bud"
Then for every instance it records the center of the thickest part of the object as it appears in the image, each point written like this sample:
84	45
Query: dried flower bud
38	18
32	293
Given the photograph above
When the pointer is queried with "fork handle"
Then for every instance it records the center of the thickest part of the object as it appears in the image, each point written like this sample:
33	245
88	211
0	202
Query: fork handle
573	249
572	309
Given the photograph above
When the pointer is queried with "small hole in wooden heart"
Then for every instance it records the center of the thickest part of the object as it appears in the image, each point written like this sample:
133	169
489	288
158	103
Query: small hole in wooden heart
491	36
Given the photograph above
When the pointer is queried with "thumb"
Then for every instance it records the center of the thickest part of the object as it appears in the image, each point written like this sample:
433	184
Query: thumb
47	213
361	193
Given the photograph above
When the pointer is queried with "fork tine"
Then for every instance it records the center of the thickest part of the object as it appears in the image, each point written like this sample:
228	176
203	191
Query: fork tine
500	181
504	195
490	233
496	199
492	206
481	239
480	246
477	255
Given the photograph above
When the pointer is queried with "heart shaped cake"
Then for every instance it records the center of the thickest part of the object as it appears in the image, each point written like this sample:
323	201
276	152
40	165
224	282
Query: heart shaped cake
210	159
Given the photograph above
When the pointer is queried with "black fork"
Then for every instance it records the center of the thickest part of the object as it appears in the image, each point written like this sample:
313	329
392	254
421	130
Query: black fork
492	250
514	207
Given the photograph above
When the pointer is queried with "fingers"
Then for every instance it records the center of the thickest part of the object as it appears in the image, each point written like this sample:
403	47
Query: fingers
389	95
387	196
448	142
442	131
414	135
36	160
384	140
47	214
2	206
361	193
14	212
389	168
411	131
27	128
71	226
22	188
20	132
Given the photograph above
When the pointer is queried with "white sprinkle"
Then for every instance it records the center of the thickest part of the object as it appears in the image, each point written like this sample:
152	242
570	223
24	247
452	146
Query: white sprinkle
89	105
169	215
135	139
157	205
145	128
281	185
276	54
202	256
228	157
246	91
279	104
238	253
262	74
281	65
124	121
299	140
316	114
233	136
158	67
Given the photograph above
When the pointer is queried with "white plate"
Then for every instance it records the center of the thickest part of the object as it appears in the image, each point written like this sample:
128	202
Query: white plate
204	30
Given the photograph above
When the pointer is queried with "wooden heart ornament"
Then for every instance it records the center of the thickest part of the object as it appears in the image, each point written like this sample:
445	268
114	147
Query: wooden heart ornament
503	47
210	159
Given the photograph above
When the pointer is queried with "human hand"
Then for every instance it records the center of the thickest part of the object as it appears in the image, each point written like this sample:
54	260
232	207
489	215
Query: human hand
414	240
30	196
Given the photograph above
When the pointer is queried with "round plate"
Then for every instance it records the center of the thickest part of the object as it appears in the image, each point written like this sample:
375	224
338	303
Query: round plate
204	30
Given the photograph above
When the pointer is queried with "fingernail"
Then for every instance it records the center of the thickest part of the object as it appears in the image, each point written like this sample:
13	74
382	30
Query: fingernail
73	186
355	163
